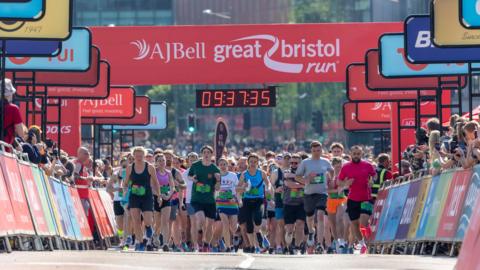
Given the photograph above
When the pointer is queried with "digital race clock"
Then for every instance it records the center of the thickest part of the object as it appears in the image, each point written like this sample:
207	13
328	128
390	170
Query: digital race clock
237	98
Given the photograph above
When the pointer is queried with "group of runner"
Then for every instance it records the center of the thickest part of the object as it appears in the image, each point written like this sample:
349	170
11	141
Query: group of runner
281	203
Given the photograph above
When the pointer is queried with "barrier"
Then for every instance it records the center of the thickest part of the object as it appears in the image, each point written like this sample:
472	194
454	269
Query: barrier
392	213
8	223
62	207
407	214
419	205
101	218
438	204
468	208
45	201
80	214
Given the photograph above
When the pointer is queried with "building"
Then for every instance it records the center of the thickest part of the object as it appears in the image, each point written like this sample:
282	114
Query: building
123	12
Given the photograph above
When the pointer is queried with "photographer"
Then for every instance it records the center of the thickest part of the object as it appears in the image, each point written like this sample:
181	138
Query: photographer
30	147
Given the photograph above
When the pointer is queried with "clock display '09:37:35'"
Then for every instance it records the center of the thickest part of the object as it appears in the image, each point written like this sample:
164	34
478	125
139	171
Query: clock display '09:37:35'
236	98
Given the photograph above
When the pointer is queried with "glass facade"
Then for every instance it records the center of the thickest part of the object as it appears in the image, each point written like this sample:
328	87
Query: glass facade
123	12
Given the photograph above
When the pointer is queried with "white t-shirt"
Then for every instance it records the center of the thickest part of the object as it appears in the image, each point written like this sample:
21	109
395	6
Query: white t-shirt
229	182
189	182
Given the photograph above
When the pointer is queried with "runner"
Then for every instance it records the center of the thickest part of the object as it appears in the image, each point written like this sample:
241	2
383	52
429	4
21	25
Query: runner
253	185
227	203
357	175
191	158
177	199
293	209
161	236
314	172
114	187
143	183
336	208
277	180
206	179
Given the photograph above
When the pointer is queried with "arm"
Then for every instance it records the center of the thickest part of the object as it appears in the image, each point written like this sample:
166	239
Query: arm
171	182
241	184
19	130
300	173
293	184
110	183
153	180
179	181
266	181
126	180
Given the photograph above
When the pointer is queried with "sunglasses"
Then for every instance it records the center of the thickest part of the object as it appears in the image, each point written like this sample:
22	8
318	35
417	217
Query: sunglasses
294	163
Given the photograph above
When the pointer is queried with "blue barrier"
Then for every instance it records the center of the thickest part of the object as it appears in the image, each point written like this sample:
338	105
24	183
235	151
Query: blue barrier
427	208
470	201
397	197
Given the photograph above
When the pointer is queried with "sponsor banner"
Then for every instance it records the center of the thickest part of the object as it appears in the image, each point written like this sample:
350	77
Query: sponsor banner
438	204
393	62
468	207
158	117
55	24
350	122
31	10
107	203
419	48
33	199
393	213
69	128
101	219
141	118
408	210
447	29
453	205
374	112
215	54
468	257
57	192
8	222
74	56
428	207
221	136
71	212
32	48
80	215
44	200
376	82
89	78
357	90
470	13
120	103
55	209
11	174
377	211
419	205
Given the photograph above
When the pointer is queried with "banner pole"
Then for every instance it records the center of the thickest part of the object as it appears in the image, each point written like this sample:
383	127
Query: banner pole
470	91
2	99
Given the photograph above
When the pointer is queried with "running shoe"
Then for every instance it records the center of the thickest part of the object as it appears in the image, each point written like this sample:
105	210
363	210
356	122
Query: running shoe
311	239
289	237
150	248
271	250
319	249
140	247
129	241
215	249
185	247
166	248
303	248
176	249
221	245
350	250
265	243
330	250
291	250
363	249
257	250
156	241
279	251
228	250
260	239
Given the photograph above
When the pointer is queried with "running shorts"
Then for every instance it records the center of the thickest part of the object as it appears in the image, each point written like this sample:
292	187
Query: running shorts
118	208
292	213
208	209
313	202
144	203
356	209
333	204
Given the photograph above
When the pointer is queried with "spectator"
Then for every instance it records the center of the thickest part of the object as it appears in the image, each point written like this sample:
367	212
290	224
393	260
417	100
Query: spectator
433	124
12	120
69	167
436	161
30	148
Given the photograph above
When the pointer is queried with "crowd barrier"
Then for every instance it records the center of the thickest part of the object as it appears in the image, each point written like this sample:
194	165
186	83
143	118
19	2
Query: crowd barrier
43	213
418	216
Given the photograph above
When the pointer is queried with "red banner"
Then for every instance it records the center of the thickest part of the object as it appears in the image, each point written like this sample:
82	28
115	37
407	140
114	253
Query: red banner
376	81
357	89
70	127
80	215
7	223
453	205
101	218
374	112
468	257
350	122
120	103
225	54
33	197
13	180
142	115
89	78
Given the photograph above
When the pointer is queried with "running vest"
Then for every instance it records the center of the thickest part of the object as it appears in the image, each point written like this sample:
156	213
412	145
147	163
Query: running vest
257	187
140	182
378	181
163	181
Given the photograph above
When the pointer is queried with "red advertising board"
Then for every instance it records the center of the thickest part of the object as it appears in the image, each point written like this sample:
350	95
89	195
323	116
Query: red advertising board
33	198
120	103
453	205
7	223
80	214
350	122
357	89
468	257
69	123
375	81
374	112
12	177
142	115
89	78
225	54
101	218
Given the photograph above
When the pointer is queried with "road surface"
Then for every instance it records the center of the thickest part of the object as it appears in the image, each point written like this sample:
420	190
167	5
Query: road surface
115	260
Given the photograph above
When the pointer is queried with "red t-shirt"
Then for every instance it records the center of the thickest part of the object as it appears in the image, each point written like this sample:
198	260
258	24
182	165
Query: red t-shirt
361	173
81	171
12	118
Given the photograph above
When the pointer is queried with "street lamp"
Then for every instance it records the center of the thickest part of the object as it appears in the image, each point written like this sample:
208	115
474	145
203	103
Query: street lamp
222	15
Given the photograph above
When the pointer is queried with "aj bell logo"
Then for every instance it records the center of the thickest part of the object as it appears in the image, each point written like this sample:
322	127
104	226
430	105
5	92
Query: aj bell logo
256	48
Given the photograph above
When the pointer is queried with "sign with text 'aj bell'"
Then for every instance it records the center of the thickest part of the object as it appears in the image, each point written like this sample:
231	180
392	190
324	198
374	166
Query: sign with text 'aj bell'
158	119
75	56
393	62
31	10
55	23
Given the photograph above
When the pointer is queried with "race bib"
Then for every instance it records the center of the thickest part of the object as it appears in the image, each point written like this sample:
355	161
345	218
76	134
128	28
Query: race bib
319	179
164	190
254	192
367	206
202	188
296	193
225	195
138	190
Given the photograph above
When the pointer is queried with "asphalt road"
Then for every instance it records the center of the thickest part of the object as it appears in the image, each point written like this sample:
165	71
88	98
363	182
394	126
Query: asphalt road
115	260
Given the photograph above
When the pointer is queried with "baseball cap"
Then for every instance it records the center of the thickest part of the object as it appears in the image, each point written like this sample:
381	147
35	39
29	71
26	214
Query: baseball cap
9	89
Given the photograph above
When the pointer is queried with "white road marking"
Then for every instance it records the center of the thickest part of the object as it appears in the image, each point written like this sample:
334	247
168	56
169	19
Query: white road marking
247	262
102	265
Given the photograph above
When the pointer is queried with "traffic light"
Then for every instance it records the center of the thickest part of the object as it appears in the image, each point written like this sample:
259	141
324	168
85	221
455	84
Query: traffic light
317	122
191	123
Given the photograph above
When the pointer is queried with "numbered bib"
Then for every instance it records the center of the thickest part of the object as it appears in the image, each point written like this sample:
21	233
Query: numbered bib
295	193
225	195
164	190
319	179
202	188
254	192
138	190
